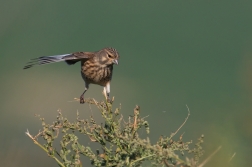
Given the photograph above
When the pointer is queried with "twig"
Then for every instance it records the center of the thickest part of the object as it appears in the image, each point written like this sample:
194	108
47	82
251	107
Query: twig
173	134
145	116
141	159
75	100
232	157
43	148
208	158
167	164
90	109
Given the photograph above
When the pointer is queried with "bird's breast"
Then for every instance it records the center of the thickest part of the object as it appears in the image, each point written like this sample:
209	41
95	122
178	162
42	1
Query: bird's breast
96	74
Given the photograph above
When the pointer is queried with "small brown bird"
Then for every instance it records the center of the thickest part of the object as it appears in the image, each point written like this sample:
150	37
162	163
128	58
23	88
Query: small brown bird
96	67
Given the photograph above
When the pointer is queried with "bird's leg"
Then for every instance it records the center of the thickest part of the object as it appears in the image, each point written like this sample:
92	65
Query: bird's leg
106	91
82	95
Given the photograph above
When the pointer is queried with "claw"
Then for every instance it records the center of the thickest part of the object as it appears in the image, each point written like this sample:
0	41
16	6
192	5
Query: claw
82	100
108	100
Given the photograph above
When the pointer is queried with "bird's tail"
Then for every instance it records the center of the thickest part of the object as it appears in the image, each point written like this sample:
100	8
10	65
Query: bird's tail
45	60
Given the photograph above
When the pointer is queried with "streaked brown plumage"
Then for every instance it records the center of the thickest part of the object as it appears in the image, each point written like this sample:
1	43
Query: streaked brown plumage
96	67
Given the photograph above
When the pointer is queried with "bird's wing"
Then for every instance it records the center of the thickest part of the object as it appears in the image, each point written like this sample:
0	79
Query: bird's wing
77	56
70	59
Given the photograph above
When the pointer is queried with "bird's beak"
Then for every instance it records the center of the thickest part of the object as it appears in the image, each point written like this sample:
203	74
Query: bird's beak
115	62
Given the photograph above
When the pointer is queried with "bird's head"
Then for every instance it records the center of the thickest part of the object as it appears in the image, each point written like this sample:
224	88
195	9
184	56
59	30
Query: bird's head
109	56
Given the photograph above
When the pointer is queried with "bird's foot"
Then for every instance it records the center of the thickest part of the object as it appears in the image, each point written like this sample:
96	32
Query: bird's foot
82	100
108	100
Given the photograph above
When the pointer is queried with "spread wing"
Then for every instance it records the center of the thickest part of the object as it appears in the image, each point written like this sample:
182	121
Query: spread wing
68	58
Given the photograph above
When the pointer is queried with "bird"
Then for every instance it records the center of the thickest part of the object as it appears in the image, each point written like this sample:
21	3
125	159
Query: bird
96	67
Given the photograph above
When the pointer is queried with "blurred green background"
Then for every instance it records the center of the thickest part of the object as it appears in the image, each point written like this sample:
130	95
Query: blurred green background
173	53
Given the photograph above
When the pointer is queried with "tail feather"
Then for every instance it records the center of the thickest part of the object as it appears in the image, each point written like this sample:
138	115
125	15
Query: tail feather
45	60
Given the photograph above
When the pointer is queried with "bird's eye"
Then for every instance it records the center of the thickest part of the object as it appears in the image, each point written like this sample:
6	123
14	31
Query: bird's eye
109	56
